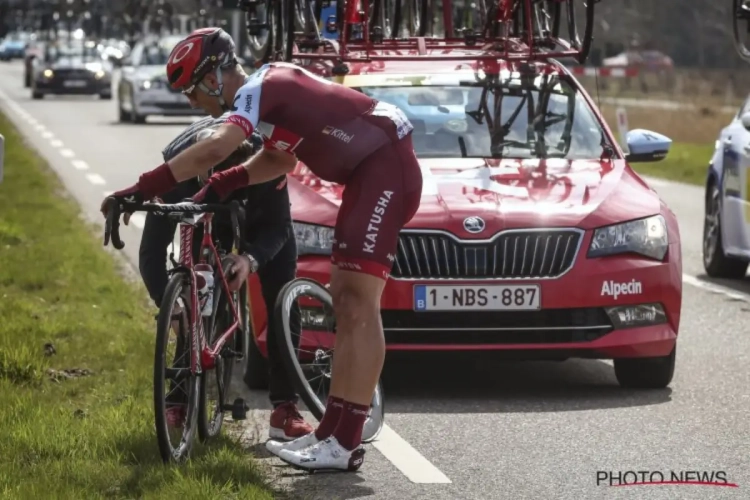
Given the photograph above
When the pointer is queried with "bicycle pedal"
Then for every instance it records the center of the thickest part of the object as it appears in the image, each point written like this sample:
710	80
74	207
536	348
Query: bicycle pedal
238	409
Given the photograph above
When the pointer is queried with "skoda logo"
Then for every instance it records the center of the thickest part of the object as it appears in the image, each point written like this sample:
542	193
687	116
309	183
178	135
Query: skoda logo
474	224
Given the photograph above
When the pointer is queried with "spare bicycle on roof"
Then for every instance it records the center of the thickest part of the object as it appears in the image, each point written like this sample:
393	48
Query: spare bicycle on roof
369	30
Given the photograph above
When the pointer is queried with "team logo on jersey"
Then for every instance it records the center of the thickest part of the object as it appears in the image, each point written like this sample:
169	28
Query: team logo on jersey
234	104
339	134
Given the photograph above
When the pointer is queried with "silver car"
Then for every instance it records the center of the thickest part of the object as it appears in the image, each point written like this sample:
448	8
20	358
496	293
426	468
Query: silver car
143	89
726	230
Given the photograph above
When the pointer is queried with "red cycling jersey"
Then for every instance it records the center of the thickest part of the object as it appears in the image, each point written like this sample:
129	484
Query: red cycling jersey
346	137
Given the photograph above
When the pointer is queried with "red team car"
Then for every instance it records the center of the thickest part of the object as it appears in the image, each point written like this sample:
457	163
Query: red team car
557	250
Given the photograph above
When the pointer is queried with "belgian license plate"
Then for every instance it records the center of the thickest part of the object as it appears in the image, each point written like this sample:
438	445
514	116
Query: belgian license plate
477	298
75	83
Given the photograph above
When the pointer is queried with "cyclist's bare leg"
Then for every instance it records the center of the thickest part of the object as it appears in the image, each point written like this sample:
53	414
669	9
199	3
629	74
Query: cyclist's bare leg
360	344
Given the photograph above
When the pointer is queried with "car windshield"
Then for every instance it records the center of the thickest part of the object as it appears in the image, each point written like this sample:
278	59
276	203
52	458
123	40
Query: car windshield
512	120
155	53
71	51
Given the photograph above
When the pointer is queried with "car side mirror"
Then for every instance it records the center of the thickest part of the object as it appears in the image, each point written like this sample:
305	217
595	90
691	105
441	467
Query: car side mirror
746	121
646	146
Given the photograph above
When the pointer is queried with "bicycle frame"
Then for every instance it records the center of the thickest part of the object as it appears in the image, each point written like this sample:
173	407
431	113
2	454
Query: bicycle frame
208	353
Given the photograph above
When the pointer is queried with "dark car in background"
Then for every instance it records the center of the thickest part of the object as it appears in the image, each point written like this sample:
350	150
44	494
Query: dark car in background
72	69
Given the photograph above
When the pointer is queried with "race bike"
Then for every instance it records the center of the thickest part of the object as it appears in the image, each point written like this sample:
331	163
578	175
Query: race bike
202	331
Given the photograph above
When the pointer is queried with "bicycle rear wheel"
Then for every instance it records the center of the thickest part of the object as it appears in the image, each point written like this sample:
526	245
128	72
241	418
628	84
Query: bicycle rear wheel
310	367
260	21
176	389
741	28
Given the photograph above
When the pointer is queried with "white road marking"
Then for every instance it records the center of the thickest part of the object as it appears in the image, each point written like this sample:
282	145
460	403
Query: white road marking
408	460
653	181
67	153
107	193
719	289
96	179
138	219
47	135
40	128
56	143
80	164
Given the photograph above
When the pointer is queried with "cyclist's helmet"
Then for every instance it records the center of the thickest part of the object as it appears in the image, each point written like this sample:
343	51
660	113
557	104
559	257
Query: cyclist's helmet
201	52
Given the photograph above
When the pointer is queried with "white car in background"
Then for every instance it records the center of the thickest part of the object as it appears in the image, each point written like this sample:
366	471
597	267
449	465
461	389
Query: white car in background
143	89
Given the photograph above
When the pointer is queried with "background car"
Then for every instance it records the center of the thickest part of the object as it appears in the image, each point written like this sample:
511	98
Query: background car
143	89
13	46
74	68
570	256
726	229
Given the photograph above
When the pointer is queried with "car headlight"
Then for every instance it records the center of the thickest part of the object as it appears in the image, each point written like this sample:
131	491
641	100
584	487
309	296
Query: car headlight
145	84
48	73
313	239
99	74
647	237
456	126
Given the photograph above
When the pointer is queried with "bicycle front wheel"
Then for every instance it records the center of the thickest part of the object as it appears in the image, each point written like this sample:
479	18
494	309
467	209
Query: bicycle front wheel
176	389
304	310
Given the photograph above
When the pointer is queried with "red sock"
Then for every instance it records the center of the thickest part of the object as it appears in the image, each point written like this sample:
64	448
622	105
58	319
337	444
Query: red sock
349	431
334	406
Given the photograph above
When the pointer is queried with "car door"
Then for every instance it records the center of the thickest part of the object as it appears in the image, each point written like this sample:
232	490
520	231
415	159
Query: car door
735	145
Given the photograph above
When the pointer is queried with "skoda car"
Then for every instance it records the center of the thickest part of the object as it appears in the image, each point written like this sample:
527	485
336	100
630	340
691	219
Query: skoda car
726	230
13	46
77	68
534	237
143	88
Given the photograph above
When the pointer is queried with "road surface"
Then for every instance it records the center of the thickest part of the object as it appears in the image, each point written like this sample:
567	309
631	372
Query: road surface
471	428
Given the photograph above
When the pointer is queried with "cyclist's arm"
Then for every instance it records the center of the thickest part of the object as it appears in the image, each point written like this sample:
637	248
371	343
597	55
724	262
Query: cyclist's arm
268	165
203	155
275	227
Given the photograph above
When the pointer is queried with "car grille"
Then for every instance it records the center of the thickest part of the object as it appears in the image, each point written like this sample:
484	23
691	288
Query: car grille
83	74
547	326
513	254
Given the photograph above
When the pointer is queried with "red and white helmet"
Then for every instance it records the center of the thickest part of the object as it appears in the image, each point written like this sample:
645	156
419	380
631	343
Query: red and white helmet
201	52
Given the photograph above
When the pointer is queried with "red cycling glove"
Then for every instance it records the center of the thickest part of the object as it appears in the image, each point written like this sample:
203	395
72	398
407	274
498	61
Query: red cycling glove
221	184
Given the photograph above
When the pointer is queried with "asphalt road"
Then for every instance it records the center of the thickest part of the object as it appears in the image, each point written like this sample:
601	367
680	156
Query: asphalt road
470	427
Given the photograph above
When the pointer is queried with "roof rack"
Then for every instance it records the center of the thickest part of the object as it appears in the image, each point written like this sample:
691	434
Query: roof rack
513	30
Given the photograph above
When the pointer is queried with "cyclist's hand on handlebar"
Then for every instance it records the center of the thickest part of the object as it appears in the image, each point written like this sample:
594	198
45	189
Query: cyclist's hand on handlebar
206	195
131	195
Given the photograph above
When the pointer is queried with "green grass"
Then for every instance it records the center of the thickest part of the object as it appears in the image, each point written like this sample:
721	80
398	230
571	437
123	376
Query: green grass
90	436
685	163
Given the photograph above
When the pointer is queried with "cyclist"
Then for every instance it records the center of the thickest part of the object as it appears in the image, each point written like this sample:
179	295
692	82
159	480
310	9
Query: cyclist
343	136
272	252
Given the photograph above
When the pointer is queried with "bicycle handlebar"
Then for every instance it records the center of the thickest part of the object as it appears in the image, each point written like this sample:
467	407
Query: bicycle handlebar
115	208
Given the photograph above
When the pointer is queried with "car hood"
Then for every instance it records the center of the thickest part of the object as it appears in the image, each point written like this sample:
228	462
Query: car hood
505	193
76	63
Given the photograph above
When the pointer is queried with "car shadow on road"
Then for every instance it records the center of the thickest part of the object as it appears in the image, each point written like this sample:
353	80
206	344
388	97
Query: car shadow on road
738	285
480	383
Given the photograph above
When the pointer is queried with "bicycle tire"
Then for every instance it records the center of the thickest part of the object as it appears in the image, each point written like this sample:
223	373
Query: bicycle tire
211	427
261	51
175	287
739	45
282	312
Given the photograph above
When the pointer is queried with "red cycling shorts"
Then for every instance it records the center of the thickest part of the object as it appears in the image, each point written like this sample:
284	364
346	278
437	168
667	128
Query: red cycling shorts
380	197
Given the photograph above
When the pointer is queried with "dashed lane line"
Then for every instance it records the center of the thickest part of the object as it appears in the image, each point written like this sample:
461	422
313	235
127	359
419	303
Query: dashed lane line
56	143
713	288
96	179
79	164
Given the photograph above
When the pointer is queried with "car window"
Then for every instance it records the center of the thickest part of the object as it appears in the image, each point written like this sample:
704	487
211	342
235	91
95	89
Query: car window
446	123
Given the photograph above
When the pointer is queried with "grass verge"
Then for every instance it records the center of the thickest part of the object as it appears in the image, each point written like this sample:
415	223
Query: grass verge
76	357
686	163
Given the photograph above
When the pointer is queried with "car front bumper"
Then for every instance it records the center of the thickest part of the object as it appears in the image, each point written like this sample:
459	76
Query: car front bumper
577	318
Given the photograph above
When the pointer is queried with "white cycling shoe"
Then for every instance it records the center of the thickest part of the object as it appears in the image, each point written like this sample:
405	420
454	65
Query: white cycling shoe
300	443
325	455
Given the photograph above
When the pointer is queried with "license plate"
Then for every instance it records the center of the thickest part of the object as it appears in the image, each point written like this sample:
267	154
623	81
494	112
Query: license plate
75	83
477	298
